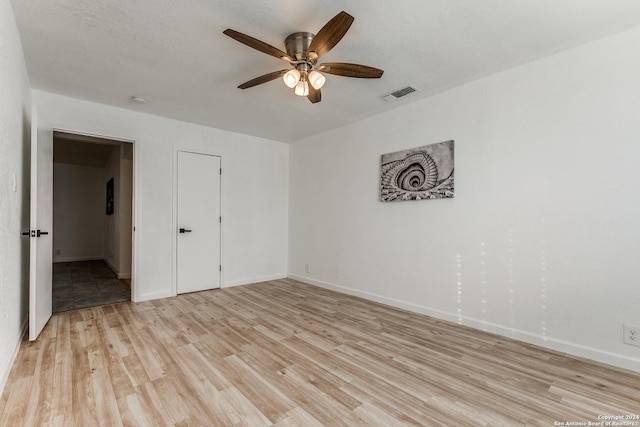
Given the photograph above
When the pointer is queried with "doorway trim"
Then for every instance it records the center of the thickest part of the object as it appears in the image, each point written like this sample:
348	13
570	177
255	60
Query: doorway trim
134	194
174	212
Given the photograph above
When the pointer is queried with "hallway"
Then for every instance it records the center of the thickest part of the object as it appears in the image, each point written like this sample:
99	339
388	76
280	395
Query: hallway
86	284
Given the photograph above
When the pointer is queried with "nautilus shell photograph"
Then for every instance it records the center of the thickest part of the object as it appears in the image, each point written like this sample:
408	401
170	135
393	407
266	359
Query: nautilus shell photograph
418	173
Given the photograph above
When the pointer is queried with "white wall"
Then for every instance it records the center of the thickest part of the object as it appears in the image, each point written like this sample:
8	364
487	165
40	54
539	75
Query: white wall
254	190
78	212
112	222
125	210
542	239
15	114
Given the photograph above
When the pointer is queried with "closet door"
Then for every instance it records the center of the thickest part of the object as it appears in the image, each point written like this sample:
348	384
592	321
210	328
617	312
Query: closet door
198	222
41	224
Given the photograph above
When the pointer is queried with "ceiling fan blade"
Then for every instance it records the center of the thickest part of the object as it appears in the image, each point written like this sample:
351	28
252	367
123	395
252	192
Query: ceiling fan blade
351	70
329	35
257	44
314	95
262	79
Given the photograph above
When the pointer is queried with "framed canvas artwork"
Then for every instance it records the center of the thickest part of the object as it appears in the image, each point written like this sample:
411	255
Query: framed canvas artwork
417	174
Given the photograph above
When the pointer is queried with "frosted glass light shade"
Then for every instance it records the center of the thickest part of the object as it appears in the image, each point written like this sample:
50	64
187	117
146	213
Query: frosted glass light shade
316	79
302	88
291	78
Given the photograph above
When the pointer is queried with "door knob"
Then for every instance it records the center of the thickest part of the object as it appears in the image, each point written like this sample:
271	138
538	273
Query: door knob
184	230
41	233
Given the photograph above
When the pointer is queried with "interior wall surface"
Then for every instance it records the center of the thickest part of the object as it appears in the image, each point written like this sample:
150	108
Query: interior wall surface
15	136
254	190
126	210
112	221
541	240
78	212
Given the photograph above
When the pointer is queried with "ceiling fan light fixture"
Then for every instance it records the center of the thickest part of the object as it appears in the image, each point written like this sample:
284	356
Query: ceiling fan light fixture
317	79
291	78
303	51
302	88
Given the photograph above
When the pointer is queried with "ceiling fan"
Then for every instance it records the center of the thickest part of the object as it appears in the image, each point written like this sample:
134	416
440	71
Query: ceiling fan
303	51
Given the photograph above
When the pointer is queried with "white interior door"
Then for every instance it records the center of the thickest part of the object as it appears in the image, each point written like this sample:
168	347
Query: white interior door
198	225
41	224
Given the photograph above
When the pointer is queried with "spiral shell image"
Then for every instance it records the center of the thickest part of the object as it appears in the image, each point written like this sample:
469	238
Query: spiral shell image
417	174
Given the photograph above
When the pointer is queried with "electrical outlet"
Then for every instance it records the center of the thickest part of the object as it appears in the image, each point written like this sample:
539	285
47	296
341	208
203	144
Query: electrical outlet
307	269
631	335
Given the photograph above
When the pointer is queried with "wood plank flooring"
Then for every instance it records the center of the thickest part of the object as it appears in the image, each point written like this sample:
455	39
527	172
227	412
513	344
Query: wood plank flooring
288	354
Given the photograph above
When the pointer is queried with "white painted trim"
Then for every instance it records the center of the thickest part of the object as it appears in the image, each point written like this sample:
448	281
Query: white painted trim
174	211
80	258
154	295
124	276
135	177
539	340
254	280
12	359
93	134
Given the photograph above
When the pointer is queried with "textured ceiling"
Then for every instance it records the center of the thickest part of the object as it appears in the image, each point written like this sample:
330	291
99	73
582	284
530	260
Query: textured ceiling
174	53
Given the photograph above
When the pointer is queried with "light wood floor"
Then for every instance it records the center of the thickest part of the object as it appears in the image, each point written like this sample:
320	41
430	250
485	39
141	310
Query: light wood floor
284	353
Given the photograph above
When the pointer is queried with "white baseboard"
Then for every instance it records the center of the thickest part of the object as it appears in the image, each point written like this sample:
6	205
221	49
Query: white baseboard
539	340
111	266
7	371
152	296
257	279
76	259
119	275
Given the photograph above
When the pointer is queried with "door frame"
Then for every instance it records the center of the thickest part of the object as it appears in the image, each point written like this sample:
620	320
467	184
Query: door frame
135	179
174	212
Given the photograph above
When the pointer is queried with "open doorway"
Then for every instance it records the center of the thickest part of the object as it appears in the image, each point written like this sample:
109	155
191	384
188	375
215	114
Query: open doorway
92	221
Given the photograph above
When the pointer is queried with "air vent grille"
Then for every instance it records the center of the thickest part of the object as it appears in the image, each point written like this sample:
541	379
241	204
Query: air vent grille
393	96
402	92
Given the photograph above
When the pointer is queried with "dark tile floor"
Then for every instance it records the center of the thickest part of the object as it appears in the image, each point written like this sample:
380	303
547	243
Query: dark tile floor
86	284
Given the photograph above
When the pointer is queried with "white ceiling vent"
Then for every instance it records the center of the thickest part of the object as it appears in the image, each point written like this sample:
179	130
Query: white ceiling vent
394	96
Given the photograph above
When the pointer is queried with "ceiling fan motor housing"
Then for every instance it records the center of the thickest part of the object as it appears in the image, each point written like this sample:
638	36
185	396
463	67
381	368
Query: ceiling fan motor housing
297	44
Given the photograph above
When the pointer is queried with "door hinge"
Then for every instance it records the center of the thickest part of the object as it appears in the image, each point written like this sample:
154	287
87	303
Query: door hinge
220	171
220	267
220	219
